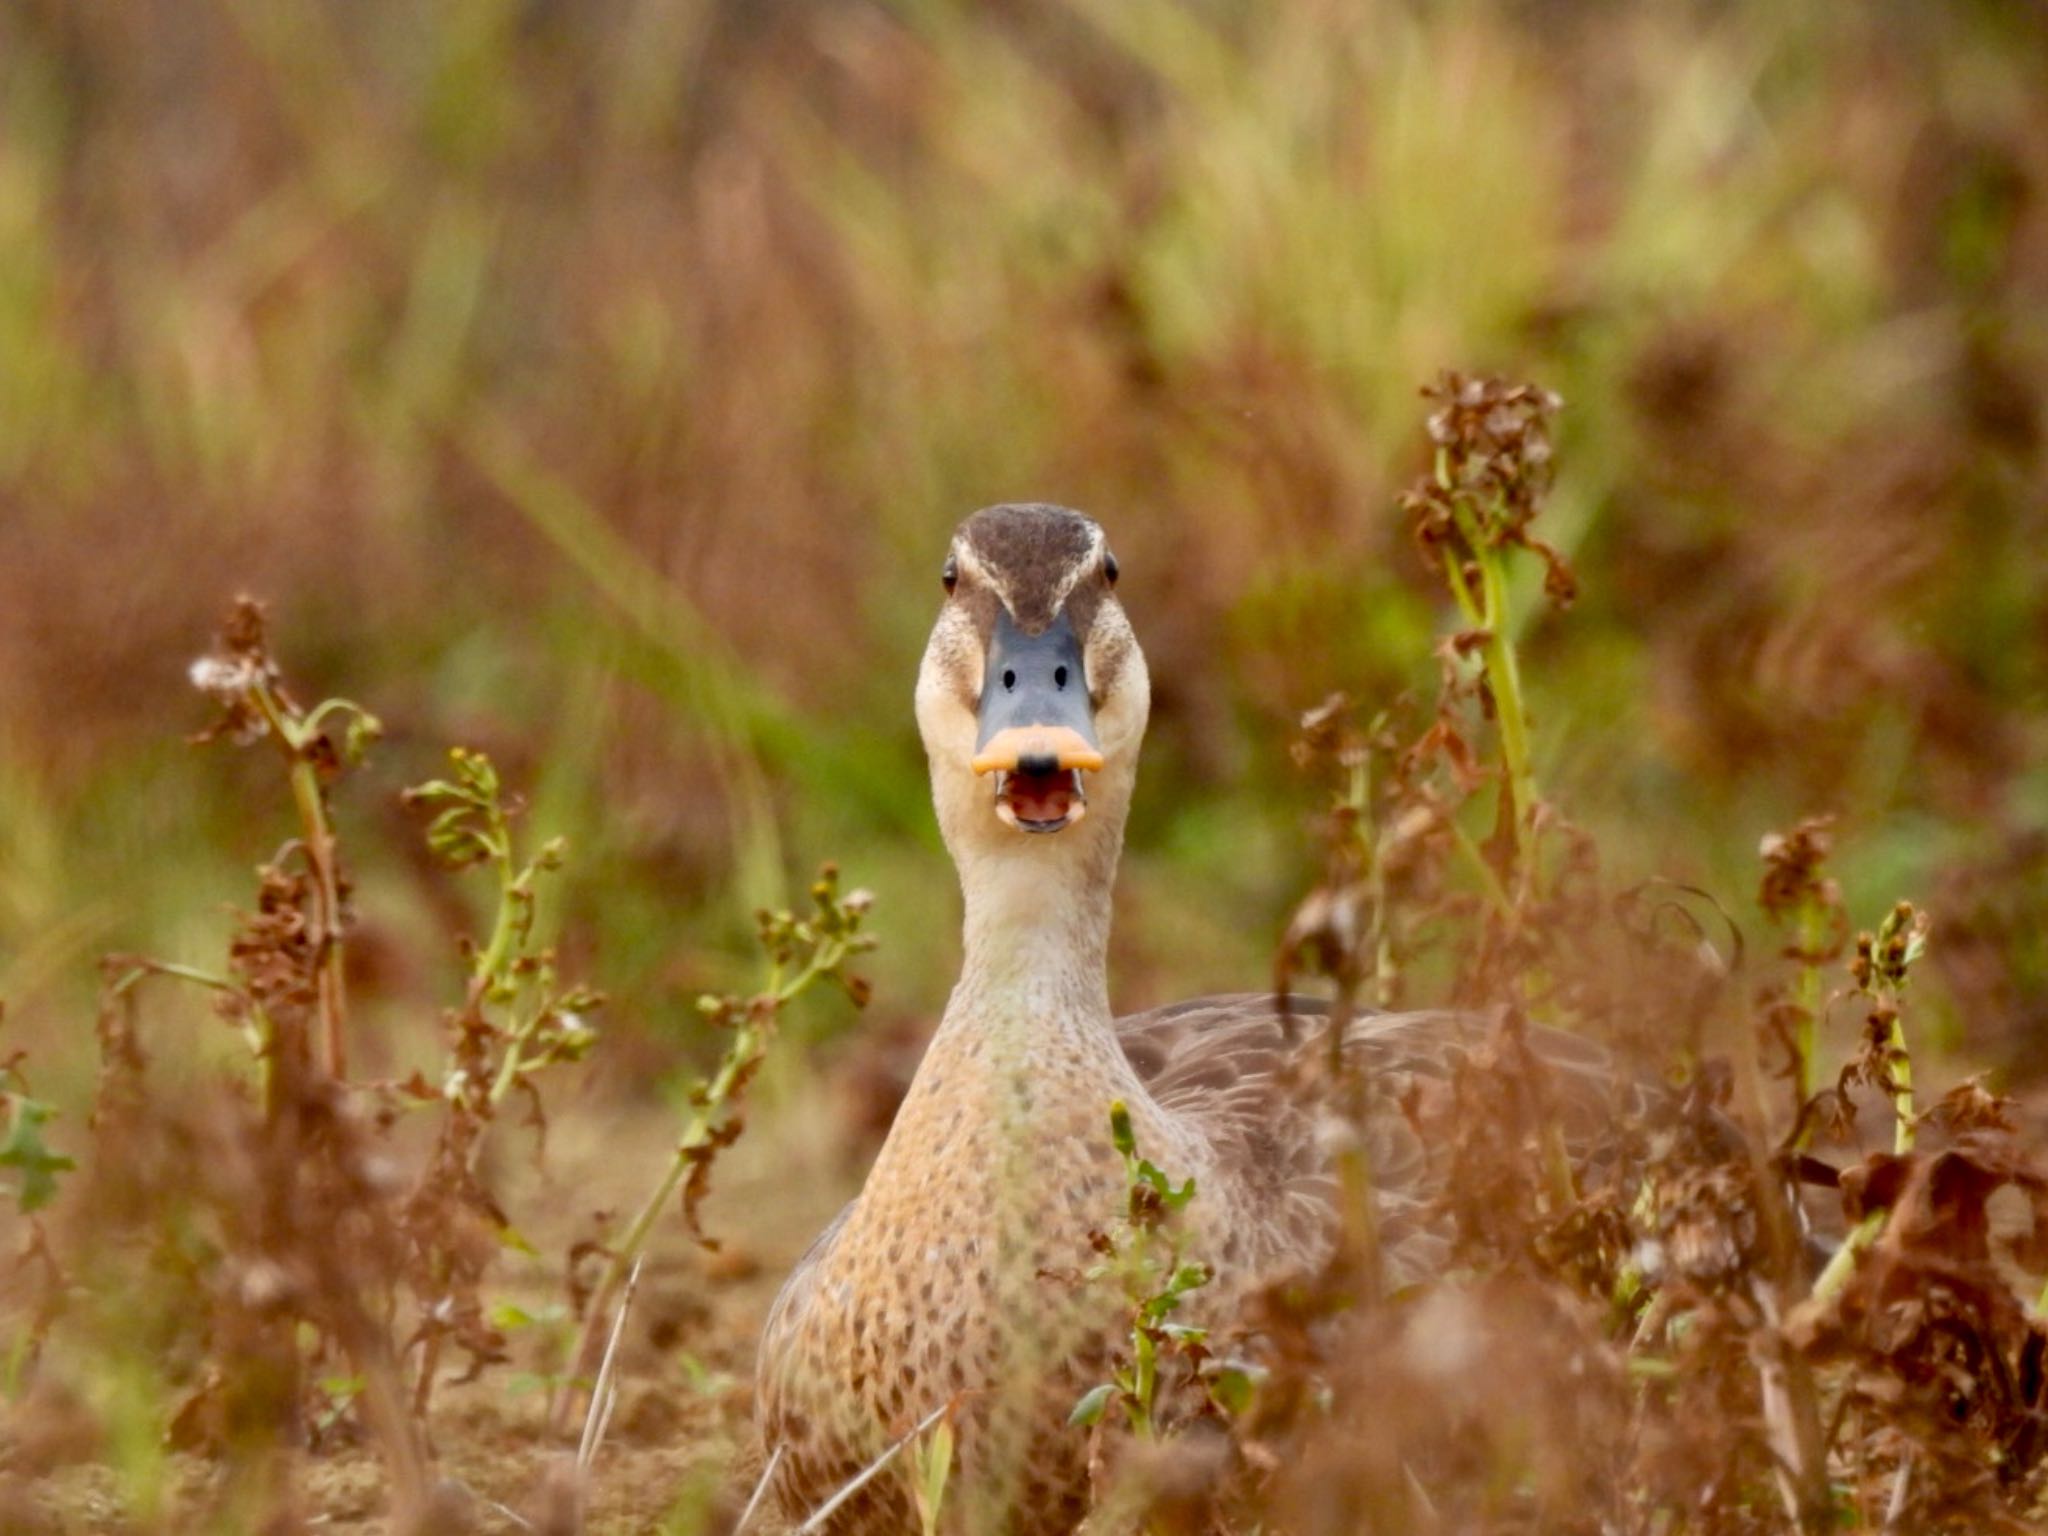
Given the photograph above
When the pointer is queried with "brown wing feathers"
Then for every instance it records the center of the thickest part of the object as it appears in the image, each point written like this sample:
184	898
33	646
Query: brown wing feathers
1228	1064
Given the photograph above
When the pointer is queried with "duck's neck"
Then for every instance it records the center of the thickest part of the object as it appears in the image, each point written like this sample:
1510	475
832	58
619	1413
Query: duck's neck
1034	974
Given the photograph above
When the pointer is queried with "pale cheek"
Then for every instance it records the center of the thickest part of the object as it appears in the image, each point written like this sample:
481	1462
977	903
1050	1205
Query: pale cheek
1121	723
947	729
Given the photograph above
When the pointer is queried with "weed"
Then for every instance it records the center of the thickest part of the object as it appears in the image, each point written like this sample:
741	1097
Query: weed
328	1276
800	953
1616	1239
1146	1261
24	1150
1493	468
1797	893
517	1018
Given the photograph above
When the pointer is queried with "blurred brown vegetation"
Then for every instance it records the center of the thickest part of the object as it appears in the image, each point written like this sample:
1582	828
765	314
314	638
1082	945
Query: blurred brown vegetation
597	384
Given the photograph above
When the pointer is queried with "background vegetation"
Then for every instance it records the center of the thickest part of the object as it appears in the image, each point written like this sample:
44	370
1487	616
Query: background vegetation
596	386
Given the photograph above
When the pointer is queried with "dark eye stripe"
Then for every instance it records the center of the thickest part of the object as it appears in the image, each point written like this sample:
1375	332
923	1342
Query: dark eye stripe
949	573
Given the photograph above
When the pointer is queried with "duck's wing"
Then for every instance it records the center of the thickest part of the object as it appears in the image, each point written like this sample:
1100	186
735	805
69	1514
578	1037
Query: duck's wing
1231	1065
783	1316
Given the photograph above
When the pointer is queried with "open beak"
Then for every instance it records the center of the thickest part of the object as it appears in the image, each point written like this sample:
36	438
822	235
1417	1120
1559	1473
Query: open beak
1037	731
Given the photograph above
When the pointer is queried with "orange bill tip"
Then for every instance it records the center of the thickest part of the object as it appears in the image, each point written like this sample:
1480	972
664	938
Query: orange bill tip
1044	747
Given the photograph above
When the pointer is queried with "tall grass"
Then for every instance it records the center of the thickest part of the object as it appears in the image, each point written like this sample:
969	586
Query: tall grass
645	353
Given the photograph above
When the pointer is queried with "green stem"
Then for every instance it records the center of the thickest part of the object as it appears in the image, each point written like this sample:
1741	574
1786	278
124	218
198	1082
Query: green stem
1488	613
1843	1264
488	975
166	968
1468	605
504	931
1505	674
1144	1389
1901	1068
515	1056
1810	919
320	845
1557	1166
259	1031
1361	1218
1483	872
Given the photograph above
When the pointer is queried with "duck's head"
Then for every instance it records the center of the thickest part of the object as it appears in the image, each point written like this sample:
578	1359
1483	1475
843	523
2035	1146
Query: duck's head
1033	695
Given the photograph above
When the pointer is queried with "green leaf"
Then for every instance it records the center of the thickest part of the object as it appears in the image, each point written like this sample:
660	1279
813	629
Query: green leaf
25	1150
1120	1131
363	730
1189	1277
934	1457
1232	1388
509	1317
1093	1404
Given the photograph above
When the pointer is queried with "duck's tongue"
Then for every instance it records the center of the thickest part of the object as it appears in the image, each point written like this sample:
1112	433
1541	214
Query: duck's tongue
1041	802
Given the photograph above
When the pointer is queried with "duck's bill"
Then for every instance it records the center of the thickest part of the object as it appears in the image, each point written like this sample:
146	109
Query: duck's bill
1037	726
1037	772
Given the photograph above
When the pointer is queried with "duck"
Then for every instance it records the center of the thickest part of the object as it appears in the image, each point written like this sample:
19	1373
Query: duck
937	1289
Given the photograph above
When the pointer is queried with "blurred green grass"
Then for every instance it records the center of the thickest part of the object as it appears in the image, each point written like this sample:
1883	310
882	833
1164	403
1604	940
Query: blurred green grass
596	386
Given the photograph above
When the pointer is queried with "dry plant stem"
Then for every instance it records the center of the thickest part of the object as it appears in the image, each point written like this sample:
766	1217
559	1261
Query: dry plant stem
820	1516
605	1395
384	1408
1899	1066
1791	1414
1896	1509
292	733
1790	1397
1385	967
760	1491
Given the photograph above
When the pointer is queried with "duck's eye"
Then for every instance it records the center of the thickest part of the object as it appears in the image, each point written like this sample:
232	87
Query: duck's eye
1109	568
949	573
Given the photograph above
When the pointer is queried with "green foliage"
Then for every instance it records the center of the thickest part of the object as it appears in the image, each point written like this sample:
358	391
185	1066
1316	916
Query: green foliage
469	825
1145	1260
1881	967
1493	461
518	1017
800	952
23	1149
931	1460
